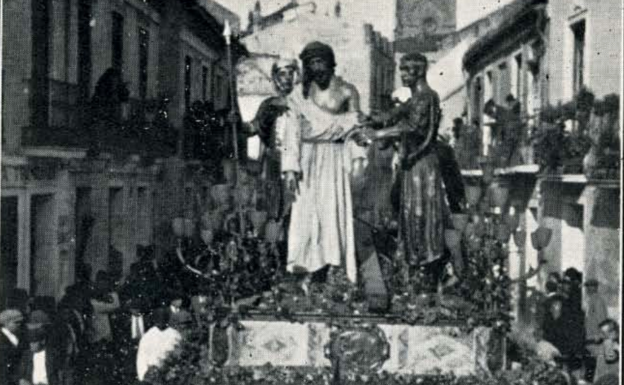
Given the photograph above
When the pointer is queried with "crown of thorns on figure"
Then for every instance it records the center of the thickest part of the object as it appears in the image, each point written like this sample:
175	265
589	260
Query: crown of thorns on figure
316	49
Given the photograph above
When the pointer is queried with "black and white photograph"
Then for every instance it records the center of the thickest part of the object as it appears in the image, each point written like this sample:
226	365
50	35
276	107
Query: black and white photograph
311	192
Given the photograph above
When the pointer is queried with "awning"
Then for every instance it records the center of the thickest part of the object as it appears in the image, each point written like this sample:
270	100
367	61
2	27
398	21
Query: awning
521	21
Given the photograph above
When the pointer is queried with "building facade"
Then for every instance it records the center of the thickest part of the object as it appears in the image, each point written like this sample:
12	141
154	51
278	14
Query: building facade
62	209
364	57
546	54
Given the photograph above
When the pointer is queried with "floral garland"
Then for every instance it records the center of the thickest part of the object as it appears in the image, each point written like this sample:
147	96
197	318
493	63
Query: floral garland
481	298
554	147
189	364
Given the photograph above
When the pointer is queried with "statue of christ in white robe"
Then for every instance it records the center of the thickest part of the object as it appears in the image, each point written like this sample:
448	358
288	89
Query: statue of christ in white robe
318	160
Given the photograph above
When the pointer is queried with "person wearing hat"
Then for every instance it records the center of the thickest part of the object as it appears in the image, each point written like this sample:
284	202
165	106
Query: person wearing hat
40	363
11	346
38	319
554	324
284	73
595	310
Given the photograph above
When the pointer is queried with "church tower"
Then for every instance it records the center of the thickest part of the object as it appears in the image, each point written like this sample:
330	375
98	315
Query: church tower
425	18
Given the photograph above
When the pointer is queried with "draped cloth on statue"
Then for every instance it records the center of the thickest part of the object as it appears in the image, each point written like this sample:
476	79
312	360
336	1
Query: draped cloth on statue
419	187
321	224
422	229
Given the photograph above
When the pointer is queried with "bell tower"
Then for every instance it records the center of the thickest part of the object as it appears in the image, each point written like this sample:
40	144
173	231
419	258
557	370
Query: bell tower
416	18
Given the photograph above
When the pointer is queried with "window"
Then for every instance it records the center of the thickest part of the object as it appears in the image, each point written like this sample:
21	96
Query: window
220	89
504	83
84	50
477	100
187	82
40	91
143	62
491	90
205	82
519	77
578	31
117	41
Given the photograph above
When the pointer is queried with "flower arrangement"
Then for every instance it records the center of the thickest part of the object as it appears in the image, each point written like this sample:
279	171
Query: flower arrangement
597	129
188	364
554	147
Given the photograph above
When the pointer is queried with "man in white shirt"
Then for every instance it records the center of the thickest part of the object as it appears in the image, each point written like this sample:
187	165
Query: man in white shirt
40	364
10	347
156	344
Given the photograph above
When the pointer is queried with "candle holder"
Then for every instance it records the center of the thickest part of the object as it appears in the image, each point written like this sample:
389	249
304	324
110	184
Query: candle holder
540	238
500	193
473	194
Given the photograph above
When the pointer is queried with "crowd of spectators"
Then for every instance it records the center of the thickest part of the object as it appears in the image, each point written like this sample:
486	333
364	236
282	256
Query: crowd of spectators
575	333
101	332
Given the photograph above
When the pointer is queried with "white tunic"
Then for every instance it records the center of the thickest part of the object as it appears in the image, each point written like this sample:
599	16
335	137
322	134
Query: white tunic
321	224
154	347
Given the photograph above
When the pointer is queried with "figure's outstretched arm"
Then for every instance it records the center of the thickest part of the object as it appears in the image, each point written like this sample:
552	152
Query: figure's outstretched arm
385	119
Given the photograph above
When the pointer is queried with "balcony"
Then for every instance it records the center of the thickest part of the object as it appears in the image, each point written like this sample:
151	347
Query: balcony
577	138
145	132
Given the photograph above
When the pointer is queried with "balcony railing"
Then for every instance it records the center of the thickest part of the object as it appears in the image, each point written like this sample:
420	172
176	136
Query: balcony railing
145	132
579	137
505	142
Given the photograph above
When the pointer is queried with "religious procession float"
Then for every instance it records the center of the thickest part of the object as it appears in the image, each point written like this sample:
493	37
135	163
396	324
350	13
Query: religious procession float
263	321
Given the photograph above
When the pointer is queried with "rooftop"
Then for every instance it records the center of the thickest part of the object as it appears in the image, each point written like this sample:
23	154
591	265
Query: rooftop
519	16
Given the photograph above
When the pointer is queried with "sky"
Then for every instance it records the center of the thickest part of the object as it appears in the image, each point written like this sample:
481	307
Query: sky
472	10
372	11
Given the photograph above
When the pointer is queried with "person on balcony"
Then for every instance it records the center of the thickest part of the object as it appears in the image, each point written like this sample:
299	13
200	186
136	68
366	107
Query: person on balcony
466	143
506	131
105	109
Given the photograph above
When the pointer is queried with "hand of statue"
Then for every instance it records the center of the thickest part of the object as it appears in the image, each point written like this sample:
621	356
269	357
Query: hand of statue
358	135
362	118
250	129
369	135
376	117
292	184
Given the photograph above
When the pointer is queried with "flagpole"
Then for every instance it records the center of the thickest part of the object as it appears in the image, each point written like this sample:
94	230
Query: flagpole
227	34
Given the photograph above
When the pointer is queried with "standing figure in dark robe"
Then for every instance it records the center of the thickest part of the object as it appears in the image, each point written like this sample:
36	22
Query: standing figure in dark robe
105	109
283	74
419	186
